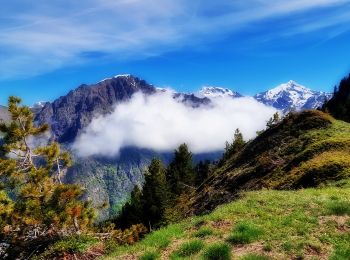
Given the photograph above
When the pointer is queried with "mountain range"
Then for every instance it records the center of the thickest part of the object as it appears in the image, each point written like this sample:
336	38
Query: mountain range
112	179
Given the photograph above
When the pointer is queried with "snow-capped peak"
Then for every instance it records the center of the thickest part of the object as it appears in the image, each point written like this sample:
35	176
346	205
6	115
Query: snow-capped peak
214	92
292	95
122	76
117	76
39	104
296	91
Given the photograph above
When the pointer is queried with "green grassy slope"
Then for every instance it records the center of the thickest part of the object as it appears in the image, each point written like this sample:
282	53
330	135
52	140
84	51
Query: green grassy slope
290	189
304	150
305	224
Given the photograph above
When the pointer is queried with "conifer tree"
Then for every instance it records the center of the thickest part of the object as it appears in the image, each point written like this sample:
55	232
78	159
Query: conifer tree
202	170
236	145
155	192
131	212
32	178
339	105
273	120
180	173
147	206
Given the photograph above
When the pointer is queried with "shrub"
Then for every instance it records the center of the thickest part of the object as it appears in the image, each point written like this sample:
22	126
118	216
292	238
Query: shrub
338	207
244	233
341	253
203	232
129	236
74	244
219	251
150	256
189	248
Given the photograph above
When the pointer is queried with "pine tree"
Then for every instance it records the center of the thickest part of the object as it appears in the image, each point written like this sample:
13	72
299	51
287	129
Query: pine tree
202	170
155	193
180	173
132	212
273	120
234	147
147	206
339	105
32	178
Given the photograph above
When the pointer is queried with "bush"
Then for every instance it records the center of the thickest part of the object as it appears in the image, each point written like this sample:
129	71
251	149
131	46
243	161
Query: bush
150	256
341	253
130	235
338	207
73	245
244	233
219	251
203	232
189	248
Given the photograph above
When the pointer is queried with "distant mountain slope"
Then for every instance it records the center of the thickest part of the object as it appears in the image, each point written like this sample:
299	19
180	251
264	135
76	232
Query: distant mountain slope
304	150
4	114
292	95
69	114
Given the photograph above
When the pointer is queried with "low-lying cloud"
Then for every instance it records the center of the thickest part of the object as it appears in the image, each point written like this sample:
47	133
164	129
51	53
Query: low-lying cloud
160	123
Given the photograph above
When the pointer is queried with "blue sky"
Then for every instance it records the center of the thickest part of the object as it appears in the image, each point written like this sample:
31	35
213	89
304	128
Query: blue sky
50	47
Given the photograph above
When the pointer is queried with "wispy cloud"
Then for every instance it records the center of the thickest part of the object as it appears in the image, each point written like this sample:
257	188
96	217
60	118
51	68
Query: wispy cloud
40	36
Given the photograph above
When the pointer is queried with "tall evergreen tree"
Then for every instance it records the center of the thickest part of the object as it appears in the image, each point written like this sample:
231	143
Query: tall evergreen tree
180	173
202	171
132	212
236	145
339	105
147	206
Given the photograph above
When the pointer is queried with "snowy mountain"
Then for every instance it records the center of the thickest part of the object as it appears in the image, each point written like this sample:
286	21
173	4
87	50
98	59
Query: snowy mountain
292	95
214	92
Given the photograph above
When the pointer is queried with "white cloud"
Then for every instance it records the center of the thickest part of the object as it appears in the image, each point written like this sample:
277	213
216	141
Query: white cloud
159	122
40	36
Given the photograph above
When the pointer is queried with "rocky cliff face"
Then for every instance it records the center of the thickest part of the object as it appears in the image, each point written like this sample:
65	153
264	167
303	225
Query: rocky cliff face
69	114
4	114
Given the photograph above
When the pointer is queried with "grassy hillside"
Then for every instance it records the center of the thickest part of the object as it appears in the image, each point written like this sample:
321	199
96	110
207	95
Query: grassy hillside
285	195
304	150
305	224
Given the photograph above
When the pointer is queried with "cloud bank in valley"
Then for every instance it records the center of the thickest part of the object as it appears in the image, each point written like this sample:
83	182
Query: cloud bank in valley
161	123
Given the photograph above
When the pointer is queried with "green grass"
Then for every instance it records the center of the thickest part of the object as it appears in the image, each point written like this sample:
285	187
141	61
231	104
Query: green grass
244	233
204	232
150	256
189	248
254	257
284	223
341	253
218	251
338	207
